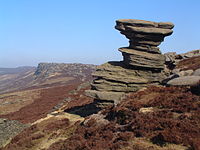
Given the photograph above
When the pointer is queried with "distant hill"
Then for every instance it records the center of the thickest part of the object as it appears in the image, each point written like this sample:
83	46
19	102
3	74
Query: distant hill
16	70
47	70
45	75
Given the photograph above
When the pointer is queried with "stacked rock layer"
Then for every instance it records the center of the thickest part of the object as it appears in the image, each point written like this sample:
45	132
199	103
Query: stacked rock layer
142	63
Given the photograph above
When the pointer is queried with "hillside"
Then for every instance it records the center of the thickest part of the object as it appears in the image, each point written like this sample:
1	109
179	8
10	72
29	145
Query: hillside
15	78
45	85
45	75
154	118
16	70
29	93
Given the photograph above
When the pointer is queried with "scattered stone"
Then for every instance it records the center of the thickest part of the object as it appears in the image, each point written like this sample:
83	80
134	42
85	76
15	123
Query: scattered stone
83	85
173	76
2	120
176	71
196	72
98	118
9	129
185	73
103	95
172	59
68	99
146	110
185	81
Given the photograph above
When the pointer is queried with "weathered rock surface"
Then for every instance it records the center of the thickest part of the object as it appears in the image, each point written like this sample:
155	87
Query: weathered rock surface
170	57
170	77
185	81
118	71
149	30
149	34
144	42
115	76
185	73
142	59
99	120
196	72
142	47
142	63
121	23
104	95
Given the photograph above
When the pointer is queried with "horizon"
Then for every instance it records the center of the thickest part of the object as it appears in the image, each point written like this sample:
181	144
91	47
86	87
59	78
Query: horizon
43	62
83	31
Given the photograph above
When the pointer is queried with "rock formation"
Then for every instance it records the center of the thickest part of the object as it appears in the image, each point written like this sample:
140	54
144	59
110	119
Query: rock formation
142	63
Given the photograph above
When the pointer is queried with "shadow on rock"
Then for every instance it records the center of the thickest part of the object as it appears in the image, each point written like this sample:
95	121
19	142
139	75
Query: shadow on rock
84	110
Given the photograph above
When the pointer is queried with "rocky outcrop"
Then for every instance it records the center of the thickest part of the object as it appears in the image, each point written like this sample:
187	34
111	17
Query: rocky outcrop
116	76
192	82
172	58
9	129
142	63
45	70
183	70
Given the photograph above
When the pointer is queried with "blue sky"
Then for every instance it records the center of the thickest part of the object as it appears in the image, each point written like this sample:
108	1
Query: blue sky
82	31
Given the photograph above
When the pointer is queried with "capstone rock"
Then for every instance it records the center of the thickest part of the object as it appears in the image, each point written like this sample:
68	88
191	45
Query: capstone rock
142	65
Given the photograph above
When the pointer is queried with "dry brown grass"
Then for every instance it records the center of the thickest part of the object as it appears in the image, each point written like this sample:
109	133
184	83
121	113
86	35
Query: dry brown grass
174	125
44	133
190	63
51	81
144	144
12	102
41	106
